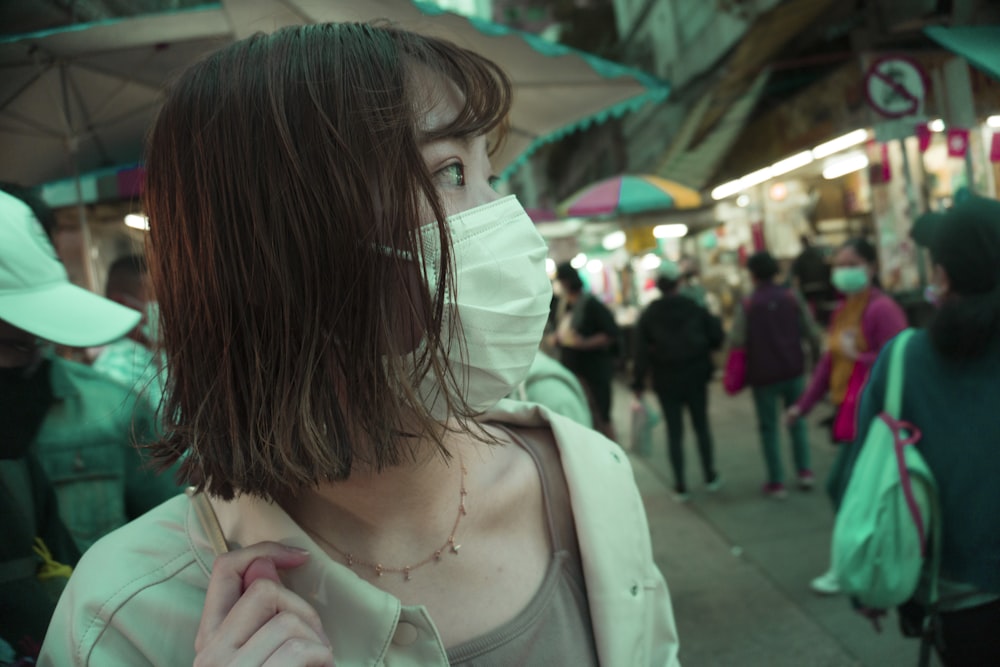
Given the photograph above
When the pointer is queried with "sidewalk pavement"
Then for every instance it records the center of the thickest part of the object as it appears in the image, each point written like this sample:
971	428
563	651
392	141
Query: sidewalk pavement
738	564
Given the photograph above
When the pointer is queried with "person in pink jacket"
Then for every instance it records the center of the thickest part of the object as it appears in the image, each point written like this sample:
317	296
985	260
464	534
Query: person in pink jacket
860	327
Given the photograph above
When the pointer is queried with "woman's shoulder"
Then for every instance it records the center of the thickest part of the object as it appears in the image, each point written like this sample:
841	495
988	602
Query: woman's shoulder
589	460
882	302
123	582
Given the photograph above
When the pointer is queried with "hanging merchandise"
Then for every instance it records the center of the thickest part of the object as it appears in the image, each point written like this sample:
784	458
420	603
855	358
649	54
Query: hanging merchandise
886	172
958	142
995	148
924	135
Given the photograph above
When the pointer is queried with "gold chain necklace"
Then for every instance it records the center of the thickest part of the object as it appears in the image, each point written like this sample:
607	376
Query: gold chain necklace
407	570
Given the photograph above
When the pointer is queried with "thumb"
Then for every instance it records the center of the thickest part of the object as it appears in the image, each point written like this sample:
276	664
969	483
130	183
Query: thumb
261	568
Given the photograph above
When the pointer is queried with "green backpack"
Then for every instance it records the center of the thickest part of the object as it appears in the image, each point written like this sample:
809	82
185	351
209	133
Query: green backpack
889	517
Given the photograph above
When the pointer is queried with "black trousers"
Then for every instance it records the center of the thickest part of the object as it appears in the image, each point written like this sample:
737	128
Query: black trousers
673	400
971	637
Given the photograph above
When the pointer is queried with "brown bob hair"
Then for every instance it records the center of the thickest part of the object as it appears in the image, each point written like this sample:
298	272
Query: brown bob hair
279	170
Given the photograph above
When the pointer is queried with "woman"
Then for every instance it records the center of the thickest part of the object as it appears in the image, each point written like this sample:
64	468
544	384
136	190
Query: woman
344	300
771	326
859	328
674	340
587	339
949	393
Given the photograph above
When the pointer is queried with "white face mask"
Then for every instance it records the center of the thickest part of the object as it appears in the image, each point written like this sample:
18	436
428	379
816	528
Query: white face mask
502	301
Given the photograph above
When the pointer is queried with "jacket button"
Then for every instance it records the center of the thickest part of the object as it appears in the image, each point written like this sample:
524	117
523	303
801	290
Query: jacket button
406	634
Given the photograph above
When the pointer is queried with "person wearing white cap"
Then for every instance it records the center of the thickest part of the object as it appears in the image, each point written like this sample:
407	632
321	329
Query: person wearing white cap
80	425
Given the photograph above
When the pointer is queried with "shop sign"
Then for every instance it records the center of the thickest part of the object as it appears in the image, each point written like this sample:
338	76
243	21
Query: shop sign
896	86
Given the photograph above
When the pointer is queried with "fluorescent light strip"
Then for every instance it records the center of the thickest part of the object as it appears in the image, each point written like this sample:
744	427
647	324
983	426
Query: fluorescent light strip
674	231
844	166
782	167
841	143
789	164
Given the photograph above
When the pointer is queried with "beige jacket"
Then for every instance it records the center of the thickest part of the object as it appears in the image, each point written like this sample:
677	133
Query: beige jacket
136	596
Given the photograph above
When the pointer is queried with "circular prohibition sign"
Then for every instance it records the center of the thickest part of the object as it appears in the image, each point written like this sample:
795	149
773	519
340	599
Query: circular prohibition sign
896	86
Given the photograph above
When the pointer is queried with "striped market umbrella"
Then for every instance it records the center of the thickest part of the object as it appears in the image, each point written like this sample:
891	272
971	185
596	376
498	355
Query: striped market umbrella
625	194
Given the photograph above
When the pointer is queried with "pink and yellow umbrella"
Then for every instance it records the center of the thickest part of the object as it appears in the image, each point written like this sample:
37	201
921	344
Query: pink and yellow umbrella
625	194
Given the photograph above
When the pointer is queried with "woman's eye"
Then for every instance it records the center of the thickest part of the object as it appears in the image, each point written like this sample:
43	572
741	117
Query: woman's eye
453	174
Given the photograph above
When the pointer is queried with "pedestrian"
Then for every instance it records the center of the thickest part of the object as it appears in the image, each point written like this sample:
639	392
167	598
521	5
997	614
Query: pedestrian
690	285
811	277
87	425
949	394
345	303
675	338
771	326
551	384
588	340
39	304
859	328
133	360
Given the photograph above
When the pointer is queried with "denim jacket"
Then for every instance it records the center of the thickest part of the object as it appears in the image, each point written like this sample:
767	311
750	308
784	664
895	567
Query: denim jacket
87	447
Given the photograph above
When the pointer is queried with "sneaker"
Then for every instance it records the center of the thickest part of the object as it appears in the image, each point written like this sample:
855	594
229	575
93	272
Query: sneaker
775	490
681	494
806	480
715	484
826	583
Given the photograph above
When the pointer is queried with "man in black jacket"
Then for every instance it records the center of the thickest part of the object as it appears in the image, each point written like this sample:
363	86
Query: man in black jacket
674	339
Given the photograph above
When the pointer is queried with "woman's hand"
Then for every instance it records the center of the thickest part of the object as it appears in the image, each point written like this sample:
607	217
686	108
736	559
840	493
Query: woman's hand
250	618
792	415
849	344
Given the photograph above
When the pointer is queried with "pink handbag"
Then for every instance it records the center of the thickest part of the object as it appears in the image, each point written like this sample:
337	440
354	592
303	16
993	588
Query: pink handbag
845	426
734	379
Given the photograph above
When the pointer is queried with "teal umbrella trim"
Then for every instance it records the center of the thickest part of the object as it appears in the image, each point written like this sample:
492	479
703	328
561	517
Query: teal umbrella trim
606	68
658	91
614	111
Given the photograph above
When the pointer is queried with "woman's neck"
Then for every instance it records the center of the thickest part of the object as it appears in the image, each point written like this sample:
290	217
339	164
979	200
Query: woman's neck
858	297
395	516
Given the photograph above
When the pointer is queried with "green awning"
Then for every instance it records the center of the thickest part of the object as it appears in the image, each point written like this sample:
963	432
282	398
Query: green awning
977	44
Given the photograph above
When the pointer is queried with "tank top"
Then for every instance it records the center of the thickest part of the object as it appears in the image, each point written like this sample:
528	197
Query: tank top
555	627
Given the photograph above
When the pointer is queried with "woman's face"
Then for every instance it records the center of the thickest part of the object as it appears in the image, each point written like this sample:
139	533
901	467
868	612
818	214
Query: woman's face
847	257
461	168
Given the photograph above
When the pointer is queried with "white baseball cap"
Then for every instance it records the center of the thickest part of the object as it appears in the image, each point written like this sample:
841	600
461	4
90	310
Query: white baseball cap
36	294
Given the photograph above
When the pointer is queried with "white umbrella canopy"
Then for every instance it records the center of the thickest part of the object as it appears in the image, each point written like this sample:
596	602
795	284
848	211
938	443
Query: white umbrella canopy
77	99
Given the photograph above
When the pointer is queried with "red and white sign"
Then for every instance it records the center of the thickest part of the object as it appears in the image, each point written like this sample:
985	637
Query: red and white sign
958	142
896	86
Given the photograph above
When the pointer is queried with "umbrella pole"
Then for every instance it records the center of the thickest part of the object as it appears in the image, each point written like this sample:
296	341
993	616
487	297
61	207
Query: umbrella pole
89	275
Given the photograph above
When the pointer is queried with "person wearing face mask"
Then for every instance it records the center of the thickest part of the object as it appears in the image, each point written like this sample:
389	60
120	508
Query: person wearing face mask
949	393
132	360
346	302
38	304
859	328
82	426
